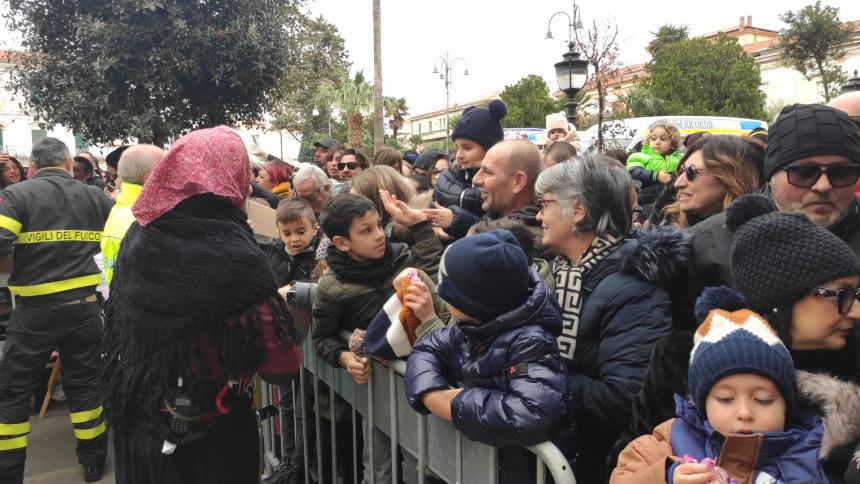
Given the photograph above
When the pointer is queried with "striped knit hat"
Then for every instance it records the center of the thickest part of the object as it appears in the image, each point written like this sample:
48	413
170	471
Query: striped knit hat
735	340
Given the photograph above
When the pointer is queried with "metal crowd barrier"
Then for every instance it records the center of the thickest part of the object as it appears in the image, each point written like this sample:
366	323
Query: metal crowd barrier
382	403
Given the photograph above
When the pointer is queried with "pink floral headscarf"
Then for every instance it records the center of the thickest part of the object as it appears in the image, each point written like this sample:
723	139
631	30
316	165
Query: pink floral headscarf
212	160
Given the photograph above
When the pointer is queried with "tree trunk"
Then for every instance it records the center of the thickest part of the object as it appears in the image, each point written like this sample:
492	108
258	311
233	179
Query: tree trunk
824	84
601	100
378	128
355	130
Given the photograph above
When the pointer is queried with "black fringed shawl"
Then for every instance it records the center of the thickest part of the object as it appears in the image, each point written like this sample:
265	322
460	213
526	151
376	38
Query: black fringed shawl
186	299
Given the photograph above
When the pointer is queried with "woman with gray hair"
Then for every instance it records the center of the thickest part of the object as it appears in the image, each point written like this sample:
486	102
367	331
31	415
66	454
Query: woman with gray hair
609	289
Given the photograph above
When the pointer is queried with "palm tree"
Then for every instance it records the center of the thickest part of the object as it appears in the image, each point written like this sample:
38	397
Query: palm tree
395	108
378	135
354	98
416	141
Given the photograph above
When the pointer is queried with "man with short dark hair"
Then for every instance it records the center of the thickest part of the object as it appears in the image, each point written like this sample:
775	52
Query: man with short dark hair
112	181
322	148
83	169
53	225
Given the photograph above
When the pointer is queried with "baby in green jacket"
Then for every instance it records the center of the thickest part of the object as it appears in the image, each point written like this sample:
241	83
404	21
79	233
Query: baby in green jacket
655	166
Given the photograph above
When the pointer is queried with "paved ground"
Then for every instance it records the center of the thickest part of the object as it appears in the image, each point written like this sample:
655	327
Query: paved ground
51	451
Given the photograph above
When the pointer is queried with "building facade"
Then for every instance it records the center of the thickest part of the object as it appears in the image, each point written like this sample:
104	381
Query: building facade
18	131
432	126
781	84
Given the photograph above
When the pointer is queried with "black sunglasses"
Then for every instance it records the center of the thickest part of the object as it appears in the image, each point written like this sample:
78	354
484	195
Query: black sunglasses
691	172
844	297
350	164
839	176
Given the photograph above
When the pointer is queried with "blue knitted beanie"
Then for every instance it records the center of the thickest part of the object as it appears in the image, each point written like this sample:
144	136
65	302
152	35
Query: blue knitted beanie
484	275
732	341
482	125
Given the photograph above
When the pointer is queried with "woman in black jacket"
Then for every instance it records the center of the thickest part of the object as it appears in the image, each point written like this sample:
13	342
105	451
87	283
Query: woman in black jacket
613	307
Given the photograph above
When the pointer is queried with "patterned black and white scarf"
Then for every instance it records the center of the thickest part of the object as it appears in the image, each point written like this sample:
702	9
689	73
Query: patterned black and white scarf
568	288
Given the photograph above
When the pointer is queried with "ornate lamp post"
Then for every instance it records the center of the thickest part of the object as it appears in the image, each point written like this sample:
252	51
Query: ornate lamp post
853	84
446	63
572	72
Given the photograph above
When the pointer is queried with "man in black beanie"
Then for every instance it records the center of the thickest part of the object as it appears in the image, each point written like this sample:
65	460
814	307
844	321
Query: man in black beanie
812	165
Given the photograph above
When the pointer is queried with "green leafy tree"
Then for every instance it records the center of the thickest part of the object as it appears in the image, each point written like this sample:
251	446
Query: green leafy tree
812	44
704	77
640	101
395	110
149	69
354	98
528	103
667	34
316	53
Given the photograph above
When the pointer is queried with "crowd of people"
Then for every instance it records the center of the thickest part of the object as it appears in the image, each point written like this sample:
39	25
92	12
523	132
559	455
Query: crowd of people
681	314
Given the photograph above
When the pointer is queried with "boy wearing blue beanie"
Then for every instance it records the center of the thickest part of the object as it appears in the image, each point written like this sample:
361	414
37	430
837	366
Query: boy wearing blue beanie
741	424
501	356
456	202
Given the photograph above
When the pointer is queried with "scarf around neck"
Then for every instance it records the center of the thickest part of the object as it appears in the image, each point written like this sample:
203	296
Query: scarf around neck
368	272
568	289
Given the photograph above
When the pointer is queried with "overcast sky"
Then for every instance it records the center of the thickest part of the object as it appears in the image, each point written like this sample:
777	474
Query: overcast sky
503	40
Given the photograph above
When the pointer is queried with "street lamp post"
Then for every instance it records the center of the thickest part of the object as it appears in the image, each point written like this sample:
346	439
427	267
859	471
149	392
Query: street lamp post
853	84
446	64
572	72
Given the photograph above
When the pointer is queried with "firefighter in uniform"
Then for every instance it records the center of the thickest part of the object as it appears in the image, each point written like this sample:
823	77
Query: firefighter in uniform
54	224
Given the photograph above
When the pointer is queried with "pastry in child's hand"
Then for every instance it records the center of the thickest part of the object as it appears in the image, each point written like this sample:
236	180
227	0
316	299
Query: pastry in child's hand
407	316
356	343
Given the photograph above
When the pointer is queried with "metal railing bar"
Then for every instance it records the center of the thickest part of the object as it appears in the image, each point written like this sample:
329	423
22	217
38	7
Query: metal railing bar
392	404
305	457
317	424
355	477
540	472
333	427
555	461
458	450
422	447
368	437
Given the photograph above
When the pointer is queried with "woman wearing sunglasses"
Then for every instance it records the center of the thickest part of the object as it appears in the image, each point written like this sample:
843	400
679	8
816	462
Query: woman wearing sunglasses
712	174
806	281
802	276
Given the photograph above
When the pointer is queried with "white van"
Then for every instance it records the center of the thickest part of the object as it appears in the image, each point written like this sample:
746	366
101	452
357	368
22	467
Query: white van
628	133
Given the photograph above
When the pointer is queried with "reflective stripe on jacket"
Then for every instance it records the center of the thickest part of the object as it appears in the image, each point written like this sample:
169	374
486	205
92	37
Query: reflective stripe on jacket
118	222
54	224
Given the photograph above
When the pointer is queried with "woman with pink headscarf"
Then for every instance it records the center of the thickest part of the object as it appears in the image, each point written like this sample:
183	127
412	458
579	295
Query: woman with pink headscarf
193	314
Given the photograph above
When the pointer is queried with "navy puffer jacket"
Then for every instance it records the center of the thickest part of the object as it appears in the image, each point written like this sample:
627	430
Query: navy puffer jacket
454	190
513	374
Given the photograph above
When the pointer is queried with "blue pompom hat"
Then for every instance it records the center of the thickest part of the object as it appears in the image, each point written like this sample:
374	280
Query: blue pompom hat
733	340
483	126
